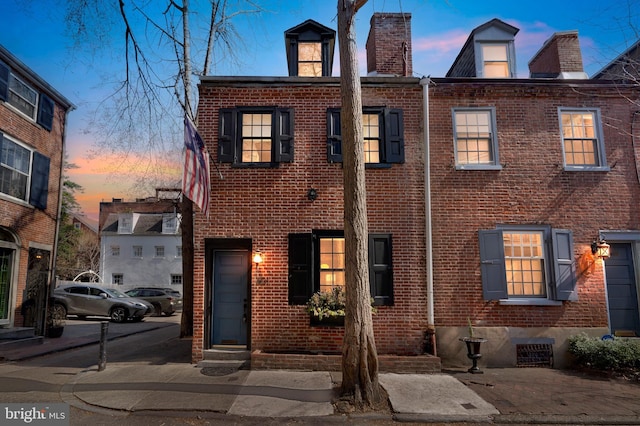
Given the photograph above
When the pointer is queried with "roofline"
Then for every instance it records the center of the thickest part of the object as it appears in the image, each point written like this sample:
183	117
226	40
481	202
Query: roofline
617	59
299	81
14	62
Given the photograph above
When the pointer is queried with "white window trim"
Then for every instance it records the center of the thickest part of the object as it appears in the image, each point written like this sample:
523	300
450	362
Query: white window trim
511	66
602	167
494	140
16	109
8	197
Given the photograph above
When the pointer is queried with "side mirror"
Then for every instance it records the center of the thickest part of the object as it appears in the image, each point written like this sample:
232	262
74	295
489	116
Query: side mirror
104	295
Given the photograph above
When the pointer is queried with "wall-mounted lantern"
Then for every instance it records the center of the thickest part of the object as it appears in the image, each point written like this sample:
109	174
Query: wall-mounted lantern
600	248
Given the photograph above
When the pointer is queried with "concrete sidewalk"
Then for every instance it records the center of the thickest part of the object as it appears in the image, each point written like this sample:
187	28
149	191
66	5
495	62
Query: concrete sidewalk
512	395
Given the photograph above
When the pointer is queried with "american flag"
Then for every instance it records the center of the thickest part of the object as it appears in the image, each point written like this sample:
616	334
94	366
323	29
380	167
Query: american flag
195	180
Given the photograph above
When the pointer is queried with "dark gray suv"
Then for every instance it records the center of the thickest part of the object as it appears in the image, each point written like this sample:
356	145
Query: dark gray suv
162	300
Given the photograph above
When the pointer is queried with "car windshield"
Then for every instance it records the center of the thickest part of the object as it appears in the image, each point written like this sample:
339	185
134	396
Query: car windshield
115	293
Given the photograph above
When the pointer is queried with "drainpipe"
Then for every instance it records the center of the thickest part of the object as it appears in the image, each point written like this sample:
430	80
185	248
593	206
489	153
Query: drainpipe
431	328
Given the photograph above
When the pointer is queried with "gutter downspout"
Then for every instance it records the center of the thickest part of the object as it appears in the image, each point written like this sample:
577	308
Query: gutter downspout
431	328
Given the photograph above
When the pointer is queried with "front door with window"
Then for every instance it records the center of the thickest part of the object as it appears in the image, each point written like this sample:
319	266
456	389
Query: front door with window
622	290
230	304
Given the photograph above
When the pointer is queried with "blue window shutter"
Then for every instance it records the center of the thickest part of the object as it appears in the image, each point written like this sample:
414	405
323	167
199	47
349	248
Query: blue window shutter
39	181
380	269
334	136
492	267
394	136
564	265
45	112
284	136
227	136
4	81
300	268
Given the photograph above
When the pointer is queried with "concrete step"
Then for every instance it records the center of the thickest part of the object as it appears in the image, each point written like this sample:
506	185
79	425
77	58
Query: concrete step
227	353
9	345
15	333
223	364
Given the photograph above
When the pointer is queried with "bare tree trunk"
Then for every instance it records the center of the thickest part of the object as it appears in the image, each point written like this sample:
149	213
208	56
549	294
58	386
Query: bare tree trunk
359	354
186	321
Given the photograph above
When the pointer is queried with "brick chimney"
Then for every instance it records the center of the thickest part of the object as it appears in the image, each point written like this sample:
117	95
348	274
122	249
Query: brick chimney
389	45
559	57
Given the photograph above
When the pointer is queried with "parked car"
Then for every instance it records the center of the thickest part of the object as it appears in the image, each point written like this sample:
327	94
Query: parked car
162	300
86	300
177	297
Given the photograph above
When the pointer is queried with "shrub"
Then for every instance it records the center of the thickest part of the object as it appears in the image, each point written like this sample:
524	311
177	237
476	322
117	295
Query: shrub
612	354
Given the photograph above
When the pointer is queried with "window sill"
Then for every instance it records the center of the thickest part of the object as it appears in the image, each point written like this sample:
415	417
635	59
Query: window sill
587	169
530	302
377	165
255	165
478	167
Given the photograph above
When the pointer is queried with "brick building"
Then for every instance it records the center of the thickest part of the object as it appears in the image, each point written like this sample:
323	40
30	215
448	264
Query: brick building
33	117
526	174
278	145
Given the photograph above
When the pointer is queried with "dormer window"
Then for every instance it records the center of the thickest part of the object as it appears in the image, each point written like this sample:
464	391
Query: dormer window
310	49
495	60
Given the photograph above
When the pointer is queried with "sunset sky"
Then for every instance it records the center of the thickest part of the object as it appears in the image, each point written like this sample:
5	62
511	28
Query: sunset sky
34	31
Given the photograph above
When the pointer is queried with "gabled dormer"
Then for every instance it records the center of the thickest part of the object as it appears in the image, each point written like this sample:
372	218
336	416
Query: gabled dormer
489	52
310	47
126	222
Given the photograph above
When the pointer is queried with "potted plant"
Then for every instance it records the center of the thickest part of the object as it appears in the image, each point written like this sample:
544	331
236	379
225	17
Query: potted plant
327	307
56	316
473	348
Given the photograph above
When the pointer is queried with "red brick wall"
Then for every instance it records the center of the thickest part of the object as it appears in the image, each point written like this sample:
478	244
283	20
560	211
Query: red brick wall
561	53
266	205
531	188
389	44
32	226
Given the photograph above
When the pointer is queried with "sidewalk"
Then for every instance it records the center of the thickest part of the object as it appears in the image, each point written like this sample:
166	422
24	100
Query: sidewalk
511	395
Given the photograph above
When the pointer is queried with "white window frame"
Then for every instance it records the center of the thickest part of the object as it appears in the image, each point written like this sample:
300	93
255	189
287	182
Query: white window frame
27	190
115	251
159	251
175	277
494	164
178	251
599	151
508	59
135	250
117	279
12	92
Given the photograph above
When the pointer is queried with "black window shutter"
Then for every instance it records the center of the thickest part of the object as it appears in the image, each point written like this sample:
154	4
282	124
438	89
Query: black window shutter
380	269
227	136
300	268
39	181
492	267
394	136
564	265
4	81
284	136
334	136
45	112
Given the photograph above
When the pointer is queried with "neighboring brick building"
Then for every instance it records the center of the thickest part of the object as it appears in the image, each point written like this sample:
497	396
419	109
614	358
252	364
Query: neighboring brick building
33	117
277	141
525	174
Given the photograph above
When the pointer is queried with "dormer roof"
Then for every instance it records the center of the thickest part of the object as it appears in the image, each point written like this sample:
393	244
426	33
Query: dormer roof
310	31
468	63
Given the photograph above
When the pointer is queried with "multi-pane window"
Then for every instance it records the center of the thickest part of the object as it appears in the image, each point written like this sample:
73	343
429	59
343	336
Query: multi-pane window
176	279
475	138
159	251
309	59
256	138
22	97
317	263
581	138
15	161
137	251
115	250
371	130
178	251
527	264
383	132
117	279
331	263
495	60
524	262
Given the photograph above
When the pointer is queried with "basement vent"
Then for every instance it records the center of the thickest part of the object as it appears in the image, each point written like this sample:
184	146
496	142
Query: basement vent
534	355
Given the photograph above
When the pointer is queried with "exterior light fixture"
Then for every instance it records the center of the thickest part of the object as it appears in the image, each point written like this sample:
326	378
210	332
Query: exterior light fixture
257	258
600	248
312	194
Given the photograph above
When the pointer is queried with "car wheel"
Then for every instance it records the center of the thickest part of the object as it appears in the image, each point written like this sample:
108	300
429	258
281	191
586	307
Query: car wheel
157	309
118	314
169	313
59	311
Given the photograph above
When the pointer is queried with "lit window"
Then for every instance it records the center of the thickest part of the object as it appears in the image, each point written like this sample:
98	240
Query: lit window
159	251
137	251
371	129
309	59
581	139
331	263
256	138
475	138
495	60
524	261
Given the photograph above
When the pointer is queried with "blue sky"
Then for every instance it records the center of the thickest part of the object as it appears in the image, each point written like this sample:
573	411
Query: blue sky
33	30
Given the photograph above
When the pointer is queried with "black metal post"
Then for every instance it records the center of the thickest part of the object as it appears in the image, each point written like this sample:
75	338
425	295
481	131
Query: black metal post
102	364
